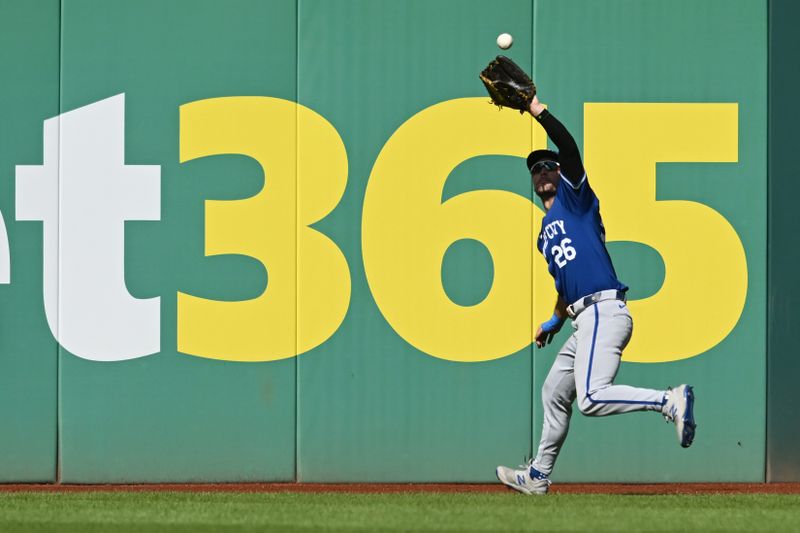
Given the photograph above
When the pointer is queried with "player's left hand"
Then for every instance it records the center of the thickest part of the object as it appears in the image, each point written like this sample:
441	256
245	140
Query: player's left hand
536	108
508	85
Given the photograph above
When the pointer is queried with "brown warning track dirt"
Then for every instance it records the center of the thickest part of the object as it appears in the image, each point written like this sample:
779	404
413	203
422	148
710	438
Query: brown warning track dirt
389	488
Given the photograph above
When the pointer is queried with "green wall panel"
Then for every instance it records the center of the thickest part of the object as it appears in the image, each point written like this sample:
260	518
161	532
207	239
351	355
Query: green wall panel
783	422
172	416
388	92
625	51
372	407
29	52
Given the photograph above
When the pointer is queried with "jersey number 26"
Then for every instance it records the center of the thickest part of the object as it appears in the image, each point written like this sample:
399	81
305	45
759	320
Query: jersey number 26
563	252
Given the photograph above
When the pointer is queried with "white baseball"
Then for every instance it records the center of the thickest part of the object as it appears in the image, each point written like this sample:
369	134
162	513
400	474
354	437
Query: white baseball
504	41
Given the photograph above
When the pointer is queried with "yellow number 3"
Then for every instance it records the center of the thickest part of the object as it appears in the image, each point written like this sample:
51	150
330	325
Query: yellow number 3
308	289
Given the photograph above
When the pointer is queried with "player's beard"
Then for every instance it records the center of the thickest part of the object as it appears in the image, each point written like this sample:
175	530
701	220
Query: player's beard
544	196
539	182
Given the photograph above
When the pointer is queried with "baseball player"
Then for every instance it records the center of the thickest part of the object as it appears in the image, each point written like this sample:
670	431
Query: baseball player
572	240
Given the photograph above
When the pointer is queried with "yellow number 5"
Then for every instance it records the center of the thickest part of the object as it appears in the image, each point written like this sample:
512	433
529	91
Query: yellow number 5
705	280
308	287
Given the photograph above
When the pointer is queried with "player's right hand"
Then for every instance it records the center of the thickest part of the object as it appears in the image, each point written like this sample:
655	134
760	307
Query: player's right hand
544	338
540	338
548	330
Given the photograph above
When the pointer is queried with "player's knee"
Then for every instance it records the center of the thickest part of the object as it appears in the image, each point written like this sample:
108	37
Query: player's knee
587	406
548	391
558	399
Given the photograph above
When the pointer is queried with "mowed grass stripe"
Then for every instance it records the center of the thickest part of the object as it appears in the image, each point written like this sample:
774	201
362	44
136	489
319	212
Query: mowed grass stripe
119	512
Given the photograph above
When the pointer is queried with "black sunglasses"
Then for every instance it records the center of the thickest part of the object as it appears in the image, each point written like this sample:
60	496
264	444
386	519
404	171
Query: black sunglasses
549	165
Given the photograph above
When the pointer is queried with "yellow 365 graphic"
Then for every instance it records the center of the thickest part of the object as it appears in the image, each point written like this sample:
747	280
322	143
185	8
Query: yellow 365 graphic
406	228
308	287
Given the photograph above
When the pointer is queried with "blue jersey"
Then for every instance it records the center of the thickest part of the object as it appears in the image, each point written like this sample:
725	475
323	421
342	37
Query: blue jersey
572	241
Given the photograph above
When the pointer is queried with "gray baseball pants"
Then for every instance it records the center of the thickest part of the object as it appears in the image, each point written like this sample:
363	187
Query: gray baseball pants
585	369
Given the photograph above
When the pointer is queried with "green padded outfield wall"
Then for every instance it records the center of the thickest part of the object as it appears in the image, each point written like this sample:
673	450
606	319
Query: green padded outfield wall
292	240
783	421
169	416
650	52
29	81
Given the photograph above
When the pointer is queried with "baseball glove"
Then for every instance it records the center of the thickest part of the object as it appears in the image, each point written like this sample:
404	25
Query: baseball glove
508	85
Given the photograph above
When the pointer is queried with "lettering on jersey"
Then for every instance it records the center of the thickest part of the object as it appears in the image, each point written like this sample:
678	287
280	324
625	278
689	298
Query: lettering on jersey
554	228
551	231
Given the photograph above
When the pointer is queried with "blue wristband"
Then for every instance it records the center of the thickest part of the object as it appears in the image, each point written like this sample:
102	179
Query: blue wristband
553	324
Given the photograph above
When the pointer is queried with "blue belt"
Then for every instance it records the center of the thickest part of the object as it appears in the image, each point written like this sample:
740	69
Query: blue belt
575	308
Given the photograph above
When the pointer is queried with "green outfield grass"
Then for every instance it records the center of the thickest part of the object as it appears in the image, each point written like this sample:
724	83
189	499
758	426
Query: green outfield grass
235	512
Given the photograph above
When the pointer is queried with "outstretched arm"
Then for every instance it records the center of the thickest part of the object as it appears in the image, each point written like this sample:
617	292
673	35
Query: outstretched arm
568	153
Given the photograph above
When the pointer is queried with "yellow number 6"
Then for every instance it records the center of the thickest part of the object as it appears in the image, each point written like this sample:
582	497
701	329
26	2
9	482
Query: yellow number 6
406	229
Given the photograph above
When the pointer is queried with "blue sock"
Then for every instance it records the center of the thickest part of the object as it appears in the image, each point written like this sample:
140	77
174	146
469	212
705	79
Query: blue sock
535	474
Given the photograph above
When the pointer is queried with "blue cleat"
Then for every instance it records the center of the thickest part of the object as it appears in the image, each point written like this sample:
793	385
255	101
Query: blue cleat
679	409
527	480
